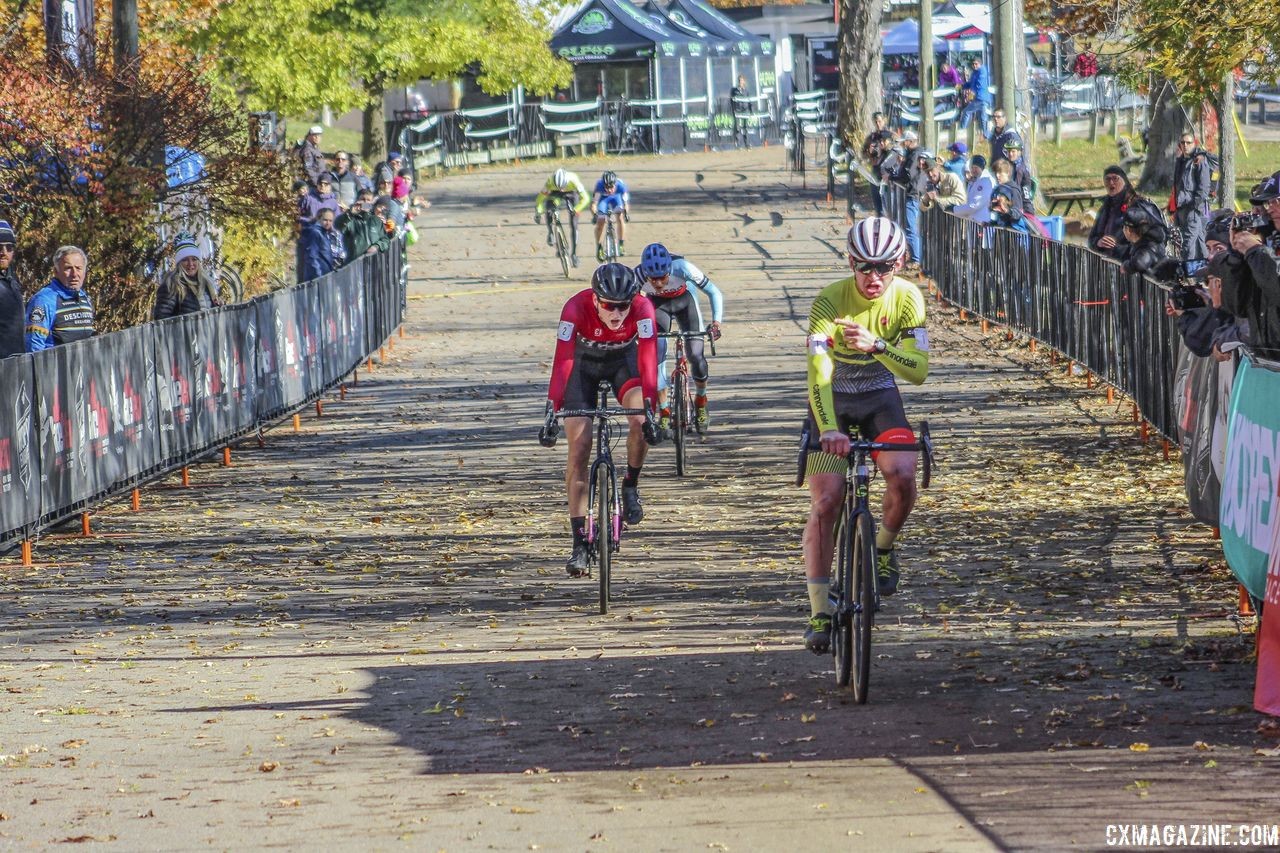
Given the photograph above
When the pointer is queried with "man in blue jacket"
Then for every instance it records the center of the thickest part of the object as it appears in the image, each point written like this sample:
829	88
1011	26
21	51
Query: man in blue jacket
61	311
978	93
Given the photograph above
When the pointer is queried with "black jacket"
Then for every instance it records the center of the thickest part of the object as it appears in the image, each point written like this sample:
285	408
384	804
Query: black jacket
1110	222
13	316
1192	181
1251	289
1198	326
1026	184
1141	256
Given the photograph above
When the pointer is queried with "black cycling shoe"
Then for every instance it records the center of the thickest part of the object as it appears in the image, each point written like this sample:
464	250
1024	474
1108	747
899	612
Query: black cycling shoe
817	635
632	510
577	565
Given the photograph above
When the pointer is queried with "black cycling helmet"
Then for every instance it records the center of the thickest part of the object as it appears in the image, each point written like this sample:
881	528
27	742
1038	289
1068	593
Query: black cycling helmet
615	283
609	178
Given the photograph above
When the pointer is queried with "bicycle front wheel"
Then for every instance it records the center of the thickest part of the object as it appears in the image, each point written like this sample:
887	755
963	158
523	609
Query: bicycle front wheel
605	499
562	249
679	419
610	244
841	598
864	603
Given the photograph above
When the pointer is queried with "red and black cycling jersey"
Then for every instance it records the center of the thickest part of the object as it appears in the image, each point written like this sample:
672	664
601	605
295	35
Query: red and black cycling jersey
582	334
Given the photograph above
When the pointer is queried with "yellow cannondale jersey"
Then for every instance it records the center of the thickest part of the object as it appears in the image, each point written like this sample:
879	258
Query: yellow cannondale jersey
896	317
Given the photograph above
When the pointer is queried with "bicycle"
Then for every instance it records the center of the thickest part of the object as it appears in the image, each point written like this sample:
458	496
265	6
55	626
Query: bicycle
552	207
680	395
853	595
611	248
604	501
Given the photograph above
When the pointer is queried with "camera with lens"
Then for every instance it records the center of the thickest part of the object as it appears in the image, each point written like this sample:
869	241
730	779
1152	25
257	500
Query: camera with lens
1172	269
1250	222
1186	296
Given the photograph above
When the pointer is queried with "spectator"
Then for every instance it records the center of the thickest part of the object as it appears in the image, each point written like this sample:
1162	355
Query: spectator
871	144
949	75
916	179
958	162
977	94
1021	176
1250	272
1204	328
1000	133
313	164
888	159
320	198
187	289
945	187
363	181
1107	235
1189	201
362	229
387	170
11	314
402	187
977	205
61	311
322	248
740	107
395	212
345	185
1002	171
1006	209
1144	242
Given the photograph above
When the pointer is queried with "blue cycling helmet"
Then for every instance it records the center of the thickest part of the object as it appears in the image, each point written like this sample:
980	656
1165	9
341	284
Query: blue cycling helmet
655	261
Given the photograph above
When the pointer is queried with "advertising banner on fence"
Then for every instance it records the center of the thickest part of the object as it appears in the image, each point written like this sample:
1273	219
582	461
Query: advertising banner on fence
120	399
1202	394
62	442
19	474
1249	481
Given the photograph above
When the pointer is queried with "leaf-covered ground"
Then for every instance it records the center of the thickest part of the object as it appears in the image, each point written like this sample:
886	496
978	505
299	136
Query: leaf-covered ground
362	634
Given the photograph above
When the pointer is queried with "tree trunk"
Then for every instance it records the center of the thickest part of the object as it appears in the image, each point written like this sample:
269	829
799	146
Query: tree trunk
1225	106
1168	120
373	144
861	52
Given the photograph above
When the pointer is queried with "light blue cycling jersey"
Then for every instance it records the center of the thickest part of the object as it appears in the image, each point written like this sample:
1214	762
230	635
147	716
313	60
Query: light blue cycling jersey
683	274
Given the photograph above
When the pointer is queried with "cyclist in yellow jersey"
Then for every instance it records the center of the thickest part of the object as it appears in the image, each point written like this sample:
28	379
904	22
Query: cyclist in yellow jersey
865	332
568	186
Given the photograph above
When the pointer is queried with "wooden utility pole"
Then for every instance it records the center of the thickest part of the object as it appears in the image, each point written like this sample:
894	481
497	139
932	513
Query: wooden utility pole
1227	142
1007	46
928	130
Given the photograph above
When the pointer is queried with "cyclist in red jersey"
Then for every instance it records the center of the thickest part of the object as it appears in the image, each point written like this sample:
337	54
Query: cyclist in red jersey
606	333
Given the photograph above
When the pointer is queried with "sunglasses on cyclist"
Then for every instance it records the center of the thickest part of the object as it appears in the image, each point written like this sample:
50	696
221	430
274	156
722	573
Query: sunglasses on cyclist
620	307
882	268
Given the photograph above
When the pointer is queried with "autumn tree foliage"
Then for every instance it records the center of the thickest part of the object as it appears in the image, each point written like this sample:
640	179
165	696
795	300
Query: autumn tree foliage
82	161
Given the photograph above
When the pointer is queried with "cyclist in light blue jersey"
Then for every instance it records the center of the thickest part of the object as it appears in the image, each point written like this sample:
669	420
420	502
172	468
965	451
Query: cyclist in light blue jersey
667	279
610	195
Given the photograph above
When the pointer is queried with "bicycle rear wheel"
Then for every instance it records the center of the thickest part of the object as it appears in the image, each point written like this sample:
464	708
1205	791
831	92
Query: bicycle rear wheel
864	603
562	248
604	532
679	419
842	599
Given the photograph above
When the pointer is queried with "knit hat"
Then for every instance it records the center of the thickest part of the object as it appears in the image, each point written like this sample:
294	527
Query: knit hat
325	178
394	155
185	247
6	233
1218	227
978	160
1115	170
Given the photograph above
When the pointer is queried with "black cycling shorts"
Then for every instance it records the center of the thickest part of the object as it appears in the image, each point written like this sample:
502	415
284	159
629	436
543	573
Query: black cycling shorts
619	368
873	412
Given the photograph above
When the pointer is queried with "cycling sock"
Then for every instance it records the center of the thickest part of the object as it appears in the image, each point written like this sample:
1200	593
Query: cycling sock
699	400
885	537
579	525
632	477
818	602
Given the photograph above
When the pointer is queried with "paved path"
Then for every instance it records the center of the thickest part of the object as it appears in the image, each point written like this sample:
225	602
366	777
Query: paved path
362	635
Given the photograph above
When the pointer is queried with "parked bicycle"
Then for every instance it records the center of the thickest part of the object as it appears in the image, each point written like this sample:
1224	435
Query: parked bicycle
680	394
604	501
853	595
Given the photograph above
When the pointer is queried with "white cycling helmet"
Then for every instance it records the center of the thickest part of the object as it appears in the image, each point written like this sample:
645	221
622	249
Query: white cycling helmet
876	239
560	179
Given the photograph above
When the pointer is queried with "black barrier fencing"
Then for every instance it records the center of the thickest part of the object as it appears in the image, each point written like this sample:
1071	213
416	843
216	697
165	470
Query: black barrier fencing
1075	301
87	420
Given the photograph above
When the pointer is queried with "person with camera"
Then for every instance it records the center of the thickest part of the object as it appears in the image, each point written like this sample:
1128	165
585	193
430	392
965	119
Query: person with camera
1204	325
1250	271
